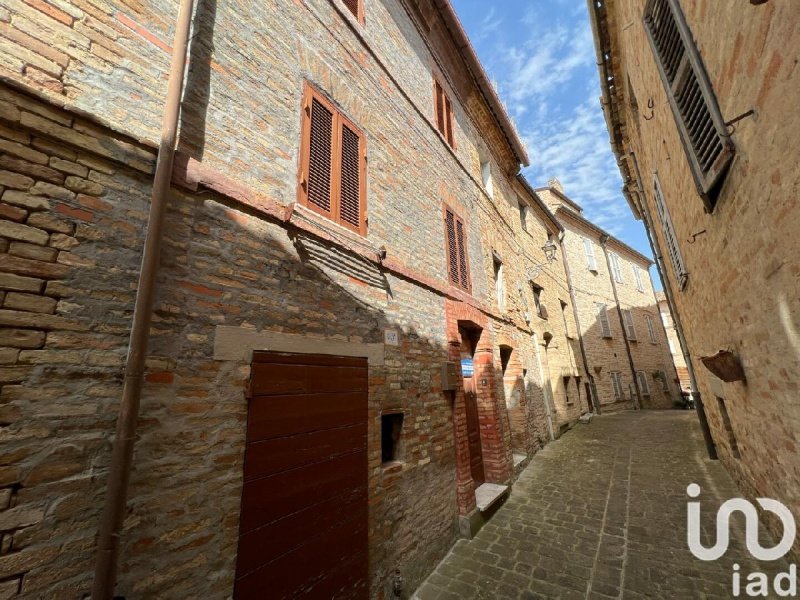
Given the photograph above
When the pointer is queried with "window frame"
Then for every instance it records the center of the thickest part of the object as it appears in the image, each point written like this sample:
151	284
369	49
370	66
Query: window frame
616	268
338	121
499	282
456	218
447	119
670	238
541	310
637	275
588	250
603	320
616	383
644	384
708	180
630	326
651	330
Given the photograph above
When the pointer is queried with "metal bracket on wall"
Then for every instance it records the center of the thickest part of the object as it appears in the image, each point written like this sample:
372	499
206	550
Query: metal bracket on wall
651	105
730	124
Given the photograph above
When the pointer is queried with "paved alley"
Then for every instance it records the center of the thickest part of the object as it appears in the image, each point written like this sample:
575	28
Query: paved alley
601	513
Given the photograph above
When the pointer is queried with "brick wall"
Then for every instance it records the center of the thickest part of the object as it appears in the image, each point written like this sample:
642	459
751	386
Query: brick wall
743	289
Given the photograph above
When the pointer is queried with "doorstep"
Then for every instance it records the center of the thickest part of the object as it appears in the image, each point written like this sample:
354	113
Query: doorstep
488	493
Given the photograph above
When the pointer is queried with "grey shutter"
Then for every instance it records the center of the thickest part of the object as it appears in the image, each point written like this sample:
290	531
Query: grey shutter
602	316
694	105
630	328
644	386
650	330
588	247
669	236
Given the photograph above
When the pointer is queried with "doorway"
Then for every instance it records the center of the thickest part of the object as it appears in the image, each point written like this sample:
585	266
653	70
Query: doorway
469	342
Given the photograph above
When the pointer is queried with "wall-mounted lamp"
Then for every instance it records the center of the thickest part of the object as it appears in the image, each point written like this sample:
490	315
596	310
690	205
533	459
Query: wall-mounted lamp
549	250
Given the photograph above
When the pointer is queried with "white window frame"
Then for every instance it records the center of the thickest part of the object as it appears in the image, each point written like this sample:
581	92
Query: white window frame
591	260
615	268
638	276
499	285
486	177
650	328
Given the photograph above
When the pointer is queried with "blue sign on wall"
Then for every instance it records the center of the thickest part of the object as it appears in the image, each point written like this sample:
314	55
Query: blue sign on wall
467	370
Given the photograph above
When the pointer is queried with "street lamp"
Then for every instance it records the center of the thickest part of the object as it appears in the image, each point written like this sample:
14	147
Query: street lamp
549	250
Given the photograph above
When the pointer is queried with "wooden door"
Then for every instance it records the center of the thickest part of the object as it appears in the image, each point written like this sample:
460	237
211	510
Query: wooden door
303	522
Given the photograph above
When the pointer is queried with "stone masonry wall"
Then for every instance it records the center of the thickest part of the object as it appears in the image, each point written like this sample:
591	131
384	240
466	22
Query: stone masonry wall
744	284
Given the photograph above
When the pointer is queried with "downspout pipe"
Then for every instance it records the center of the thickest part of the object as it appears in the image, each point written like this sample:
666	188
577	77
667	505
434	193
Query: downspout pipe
593	387
122	453
638	402
711	447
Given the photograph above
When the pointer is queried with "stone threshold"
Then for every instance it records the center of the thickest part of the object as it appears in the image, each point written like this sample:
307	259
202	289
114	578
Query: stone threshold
488	493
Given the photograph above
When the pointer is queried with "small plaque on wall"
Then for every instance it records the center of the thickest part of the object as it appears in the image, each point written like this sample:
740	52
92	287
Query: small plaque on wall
391	337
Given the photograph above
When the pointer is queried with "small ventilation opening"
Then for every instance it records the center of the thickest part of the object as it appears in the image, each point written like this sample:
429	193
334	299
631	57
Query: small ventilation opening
391	429
726	422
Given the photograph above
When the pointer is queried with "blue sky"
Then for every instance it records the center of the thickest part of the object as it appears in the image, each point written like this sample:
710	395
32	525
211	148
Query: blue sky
540	57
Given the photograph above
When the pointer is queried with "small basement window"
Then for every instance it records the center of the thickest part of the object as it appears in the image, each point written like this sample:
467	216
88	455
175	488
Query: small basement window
391	428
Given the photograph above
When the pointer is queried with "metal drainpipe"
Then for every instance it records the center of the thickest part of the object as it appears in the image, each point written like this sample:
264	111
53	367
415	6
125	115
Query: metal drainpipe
711	447
638	403
592	386
122	454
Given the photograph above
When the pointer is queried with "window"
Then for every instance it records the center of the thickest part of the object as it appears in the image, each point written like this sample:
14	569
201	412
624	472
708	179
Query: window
457	266
357	8
499	284
588	248
630	328
523	215
669	236
602	318
391	428
486	175
637	275
333	164
443	113
537	298
650	329
664	383
726	423
564	318
694	105
671	346
614	258
644	385
566	379
616	381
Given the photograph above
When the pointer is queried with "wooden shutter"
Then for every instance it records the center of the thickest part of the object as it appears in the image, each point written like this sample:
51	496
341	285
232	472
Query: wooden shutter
630	328
616	381
694	105
602	317
638	276
616	268
644	385
462	254
591	261
332	164
320	155
351	188
650	329
457	263
669	236
443	113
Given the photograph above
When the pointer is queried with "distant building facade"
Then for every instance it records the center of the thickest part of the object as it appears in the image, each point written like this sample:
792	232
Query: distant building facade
624	339
674	343
700	100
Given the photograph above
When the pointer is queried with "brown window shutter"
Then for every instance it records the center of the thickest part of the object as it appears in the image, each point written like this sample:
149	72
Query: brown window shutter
452	248
462	255
439	98
351	171
352	6
448	119
320	146
694	105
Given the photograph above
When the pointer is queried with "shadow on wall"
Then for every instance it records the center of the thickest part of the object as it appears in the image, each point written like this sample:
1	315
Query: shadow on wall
652	360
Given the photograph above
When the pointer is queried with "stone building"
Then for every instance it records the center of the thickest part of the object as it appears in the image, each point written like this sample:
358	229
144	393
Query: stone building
624	340
348	248
701	103
674	342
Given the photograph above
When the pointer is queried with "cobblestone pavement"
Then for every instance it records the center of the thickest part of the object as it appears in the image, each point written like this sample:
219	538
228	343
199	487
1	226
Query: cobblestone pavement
601	513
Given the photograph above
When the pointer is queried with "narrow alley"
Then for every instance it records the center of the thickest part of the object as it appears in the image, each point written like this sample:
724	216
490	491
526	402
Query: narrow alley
601	513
